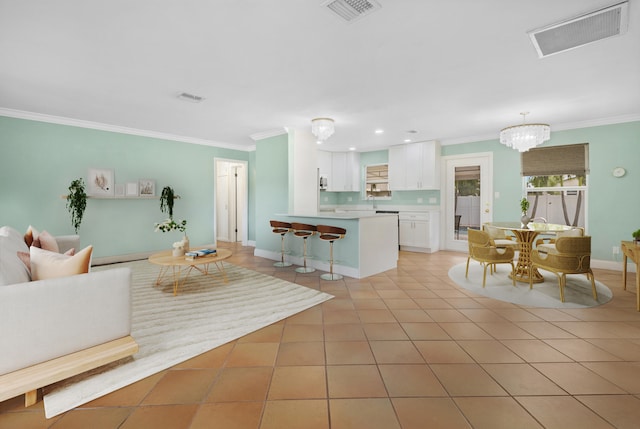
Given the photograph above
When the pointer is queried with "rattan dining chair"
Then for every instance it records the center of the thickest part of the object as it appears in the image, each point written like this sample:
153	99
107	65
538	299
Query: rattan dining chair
571	255
483	250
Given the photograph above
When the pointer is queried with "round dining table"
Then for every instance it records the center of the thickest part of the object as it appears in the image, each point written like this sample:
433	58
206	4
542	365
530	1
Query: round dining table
525	236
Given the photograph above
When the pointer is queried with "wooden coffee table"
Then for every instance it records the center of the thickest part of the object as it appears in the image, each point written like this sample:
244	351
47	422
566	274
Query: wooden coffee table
181	267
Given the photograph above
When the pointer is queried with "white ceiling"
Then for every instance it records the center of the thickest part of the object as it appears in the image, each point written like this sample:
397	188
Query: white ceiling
453	70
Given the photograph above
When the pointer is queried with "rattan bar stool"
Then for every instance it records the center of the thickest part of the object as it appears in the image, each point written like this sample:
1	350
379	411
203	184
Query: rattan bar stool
281	228
304	231
331	234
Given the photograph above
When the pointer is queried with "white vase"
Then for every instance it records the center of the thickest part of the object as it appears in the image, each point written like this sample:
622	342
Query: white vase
178	251
185	240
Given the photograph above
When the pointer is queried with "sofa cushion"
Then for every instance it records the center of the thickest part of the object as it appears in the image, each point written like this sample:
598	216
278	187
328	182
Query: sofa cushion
47	265
12	270
46	241
30	235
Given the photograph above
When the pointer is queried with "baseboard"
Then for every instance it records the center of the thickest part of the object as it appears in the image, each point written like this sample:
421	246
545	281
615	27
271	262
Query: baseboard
613	265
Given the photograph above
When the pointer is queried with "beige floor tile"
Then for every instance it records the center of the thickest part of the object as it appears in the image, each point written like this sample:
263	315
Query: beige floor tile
623	374
369	304
362	414
346	332
236	415
308	317
376	316
410	380
482	315
241	384
581	350
562	412
442	352
623	412
446	315
298	382
465	331
535	351
467	380
338	317
576	379
355	381
588	329
433	303
411	316
212	359
522	379
253	354
304	353
128	396
348	352
621	348
295	414
384	331
425	331
170	389
395	352
505	331
161	416
489	351
95	418
268	334
421	413
299	333
544	330
496	413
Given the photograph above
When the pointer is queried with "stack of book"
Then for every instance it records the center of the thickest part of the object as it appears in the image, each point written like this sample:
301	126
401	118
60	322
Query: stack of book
194	254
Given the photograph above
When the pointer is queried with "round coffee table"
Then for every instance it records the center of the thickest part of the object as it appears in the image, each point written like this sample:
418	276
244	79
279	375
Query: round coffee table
181	267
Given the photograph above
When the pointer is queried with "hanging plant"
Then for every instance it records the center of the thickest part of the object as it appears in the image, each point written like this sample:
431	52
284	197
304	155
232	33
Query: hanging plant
76	202
166	201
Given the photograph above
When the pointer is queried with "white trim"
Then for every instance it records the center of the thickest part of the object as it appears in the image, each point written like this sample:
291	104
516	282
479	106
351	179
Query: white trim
245	208
613	266
266	134
40	117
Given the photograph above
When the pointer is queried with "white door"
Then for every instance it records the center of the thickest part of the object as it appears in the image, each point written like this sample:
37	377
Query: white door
231	200
467	197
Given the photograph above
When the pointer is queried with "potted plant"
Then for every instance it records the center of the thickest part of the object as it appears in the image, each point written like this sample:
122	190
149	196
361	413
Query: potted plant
636	235
76	202
524	207
167	197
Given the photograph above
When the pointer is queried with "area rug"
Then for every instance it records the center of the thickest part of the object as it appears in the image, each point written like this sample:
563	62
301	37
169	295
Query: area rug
171	329
577	292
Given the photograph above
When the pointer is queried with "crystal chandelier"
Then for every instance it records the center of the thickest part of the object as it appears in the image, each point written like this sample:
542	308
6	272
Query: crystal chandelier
322	128
526	136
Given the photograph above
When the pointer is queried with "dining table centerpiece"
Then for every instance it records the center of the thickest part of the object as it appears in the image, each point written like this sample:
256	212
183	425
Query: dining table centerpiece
524	207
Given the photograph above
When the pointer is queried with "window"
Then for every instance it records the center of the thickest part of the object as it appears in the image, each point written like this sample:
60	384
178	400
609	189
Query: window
377	181
555	179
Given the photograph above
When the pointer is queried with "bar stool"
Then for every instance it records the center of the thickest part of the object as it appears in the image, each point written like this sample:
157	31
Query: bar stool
305	231
331	234
281	228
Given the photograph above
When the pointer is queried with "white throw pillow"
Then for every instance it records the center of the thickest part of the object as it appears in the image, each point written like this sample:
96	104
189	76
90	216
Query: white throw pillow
47	265
12	270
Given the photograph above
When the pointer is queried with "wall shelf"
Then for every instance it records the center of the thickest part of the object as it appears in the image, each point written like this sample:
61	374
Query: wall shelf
64	197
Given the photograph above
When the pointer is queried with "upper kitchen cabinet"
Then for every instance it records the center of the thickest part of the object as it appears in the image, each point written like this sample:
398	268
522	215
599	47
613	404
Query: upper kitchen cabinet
414	166
342	170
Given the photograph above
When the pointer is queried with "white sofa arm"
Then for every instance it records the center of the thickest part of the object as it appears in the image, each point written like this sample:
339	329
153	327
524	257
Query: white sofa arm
66	242
46	319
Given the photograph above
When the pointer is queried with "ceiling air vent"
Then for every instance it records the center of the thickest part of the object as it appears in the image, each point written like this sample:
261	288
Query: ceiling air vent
352	10
580	31
190	97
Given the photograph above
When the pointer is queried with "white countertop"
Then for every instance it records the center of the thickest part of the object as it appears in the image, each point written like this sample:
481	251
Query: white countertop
339	215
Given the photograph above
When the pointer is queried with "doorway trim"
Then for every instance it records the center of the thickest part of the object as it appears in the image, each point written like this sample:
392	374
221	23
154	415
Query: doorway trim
447	178
245	199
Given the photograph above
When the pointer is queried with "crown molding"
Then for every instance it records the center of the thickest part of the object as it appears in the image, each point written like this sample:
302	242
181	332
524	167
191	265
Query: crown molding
60	120
267	134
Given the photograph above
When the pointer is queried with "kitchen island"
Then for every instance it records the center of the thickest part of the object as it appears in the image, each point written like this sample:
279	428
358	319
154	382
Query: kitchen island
369	247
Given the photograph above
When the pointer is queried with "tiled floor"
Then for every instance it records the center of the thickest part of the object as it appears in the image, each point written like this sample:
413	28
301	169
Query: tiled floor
404	349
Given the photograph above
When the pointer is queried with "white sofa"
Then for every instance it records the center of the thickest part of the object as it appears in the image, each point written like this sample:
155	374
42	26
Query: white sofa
55	328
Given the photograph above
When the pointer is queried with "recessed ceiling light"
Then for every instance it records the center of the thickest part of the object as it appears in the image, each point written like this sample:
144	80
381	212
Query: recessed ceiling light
378	131
191	97
352	148
407	140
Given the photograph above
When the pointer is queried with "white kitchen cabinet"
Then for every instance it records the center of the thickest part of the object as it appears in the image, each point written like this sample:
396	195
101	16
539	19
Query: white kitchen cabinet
418	231
414	166
345	172
324	163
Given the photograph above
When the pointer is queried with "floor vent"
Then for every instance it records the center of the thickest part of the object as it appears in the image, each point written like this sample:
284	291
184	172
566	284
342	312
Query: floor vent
352	10
580	31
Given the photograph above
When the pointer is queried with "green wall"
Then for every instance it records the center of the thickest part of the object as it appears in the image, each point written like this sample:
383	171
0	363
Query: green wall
39	160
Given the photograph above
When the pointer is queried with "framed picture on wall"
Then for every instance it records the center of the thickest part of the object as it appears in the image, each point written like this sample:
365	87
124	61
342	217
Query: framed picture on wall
131	189
147	187
100	182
